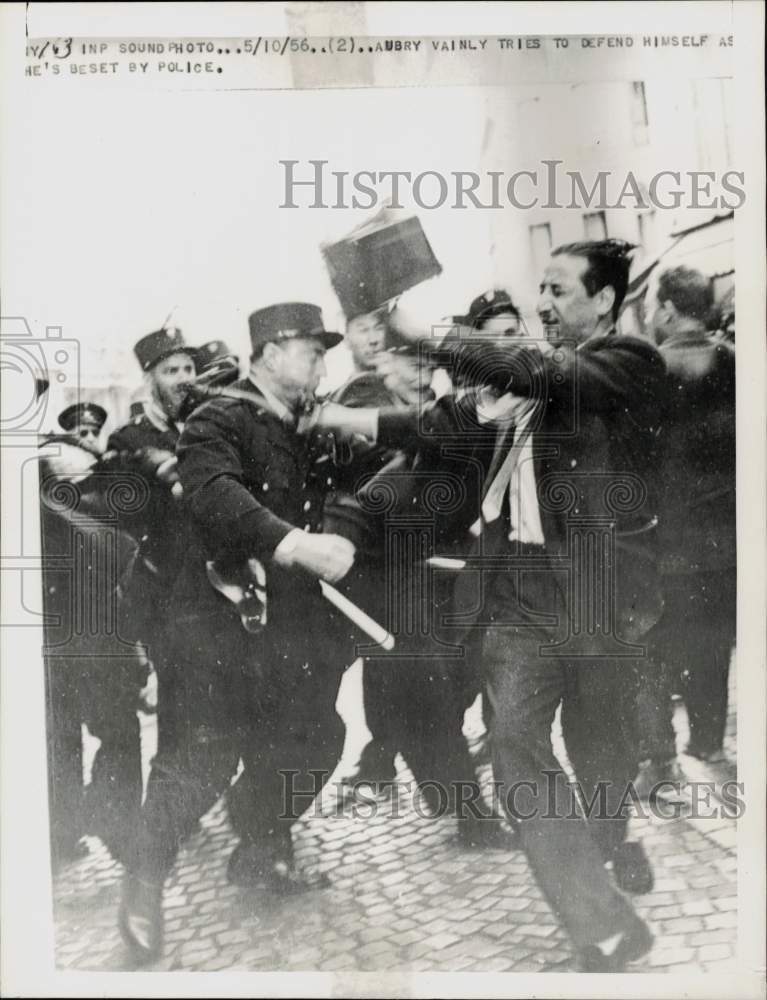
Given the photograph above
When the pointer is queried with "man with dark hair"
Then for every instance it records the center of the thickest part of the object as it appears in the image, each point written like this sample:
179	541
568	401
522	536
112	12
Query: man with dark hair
684	304
694	639
575	465
606	272
364	339
562	587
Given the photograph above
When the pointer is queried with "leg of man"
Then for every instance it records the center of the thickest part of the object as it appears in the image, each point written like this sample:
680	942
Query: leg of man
113	799
290	760
710	630
654	710
210	720
301	742
384	685
296	745
183	784
523	690
65	756
434	745
600	734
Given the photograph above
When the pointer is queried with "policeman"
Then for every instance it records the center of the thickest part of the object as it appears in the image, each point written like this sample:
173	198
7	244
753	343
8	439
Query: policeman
145	448
91	676
218	362
217	365
169	365
84	421
264	694
364	340
494	312
142	453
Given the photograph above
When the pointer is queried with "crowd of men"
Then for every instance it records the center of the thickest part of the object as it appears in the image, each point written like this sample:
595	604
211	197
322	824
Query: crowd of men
550	523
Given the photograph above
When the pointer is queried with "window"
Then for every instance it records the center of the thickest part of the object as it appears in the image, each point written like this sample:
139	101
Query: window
540	242
595	225
639	121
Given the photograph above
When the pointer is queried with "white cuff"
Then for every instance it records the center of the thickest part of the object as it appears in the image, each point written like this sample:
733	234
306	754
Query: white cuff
288	544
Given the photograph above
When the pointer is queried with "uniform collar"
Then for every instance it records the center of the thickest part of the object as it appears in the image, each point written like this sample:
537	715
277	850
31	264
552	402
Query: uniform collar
159	418
278	408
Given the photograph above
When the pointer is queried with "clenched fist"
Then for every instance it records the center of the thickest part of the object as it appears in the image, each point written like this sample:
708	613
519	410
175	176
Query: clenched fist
329	557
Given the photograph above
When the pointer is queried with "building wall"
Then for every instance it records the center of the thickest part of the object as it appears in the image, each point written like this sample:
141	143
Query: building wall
644	127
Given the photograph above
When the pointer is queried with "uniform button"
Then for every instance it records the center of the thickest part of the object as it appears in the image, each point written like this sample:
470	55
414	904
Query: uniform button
573	463
329	481
265	487
307	505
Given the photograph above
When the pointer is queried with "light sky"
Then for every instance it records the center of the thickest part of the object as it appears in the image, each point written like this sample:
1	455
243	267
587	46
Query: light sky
142	202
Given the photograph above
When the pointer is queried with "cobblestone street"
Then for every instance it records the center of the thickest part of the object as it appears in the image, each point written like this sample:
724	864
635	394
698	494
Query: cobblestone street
404	896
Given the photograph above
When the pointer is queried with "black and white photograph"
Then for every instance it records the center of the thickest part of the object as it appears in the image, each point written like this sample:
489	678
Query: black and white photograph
383	499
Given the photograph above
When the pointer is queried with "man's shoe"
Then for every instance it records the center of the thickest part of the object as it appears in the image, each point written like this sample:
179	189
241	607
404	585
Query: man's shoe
486	833
591	959
710	755
140	918
253	867
376	766
632	869
285	879
245	862
660	779
635	942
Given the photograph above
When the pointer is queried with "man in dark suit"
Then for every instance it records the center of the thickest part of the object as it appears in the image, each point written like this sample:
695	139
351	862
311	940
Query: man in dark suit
259	689
563	587
694	639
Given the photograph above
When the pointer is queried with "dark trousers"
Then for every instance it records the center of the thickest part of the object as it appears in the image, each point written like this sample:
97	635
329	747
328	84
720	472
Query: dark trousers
269	701
691	648
100	692
415	705
523	688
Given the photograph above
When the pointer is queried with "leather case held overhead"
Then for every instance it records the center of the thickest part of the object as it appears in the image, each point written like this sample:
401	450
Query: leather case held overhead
379	261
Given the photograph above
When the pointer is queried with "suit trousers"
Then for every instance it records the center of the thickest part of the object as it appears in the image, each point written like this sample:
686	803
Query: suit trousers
567	846
415	701
100	692
267	700
691	647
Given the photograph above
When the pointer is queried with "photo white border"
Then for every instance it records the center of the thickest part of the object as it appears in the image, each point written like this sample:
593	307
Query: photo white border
27	942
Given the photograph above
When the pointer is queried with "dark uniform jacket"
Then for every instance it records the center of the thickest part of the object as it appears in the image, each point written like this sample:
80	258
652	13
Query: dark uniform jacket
158	522
249	478
698	457
155	516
